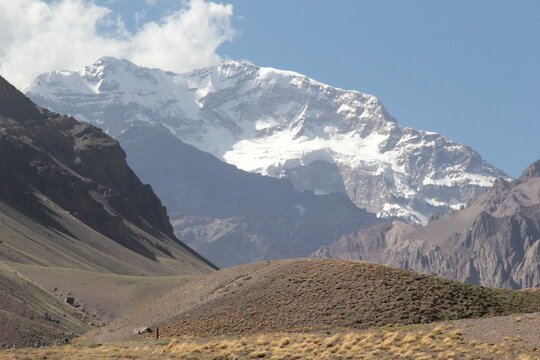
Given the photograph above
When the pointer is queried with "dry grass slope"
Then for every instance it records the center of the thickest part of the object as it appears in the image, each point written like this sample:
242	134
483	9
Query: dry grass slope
102	297
440	342
28	314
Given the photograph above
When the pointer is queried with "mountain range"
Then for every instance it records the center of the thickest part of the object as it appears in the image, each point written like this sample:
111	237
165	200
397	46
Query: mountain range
292	140
494	241
281	124
84	244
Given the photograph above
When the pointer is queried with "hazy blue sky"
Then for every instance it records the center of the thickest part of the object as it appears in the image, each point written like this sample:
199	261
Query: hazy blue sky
468	69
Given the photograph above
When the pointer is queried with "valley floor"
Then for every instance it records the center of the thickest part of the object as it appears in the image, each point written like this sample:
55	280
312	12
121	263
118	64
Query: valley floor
507	337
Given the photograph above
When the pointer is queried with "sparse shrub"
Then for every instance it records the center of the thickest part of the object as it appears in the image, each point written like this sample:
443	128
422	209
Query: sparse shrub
456	334
400	343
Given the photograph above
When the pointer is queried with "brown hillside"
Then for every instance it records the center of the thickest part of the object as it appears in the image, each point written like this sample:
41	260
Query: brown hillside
305	295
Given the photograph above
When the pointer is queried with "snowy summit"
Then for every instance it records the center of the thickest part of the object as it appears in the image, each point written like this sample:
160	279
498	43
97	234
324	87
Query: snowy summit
281	124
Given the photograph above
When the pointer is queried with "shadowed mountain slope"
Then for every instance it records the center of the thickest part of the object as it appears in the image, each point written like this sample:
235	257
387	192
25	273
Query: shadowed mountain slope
231	216
495	241
72	179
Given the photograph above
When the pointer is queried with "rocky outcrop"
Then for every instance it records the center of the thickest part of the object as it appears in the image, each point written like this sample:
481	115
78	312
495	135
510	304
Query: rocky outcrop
495	241
231	216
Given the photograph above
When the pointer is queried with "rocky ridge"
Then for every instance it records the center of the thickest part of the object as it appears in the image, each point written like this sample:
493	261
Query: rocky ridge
495	241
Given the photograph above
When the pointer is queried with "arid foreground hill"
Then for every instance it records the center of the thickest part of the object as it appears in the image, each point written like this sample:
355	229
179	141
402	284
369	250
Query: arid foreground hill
495	241
70	203
309	295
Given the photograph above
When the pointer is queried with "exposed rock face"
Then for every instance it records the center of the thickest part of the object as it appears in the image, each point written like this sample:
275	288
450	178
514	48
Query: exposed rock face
531	171
231	216
495	241
58	172
282	124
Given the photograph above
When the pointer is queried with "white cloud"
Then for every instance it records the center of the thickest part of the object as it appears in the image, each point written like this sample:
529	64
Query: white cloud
36	37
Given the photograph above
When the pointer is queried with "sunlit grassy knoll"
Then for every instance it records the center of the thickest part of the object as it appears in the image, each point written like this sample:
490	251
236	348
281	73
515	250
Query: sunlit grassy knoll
442	342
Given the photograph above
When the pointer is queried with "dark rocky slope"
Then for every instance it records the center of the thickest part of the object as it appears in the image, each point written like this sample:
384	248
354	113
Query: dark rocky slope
495	241
54	170
231	216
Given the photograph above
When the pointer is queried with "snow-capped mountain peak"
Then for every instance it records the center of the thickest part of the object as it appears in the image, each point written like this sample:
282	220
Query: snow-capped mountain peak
282	124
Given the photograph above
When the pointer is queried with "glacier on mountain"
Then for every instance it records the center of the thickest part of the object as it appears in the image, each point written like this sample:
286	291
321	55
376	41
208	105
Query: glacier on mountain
282	124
